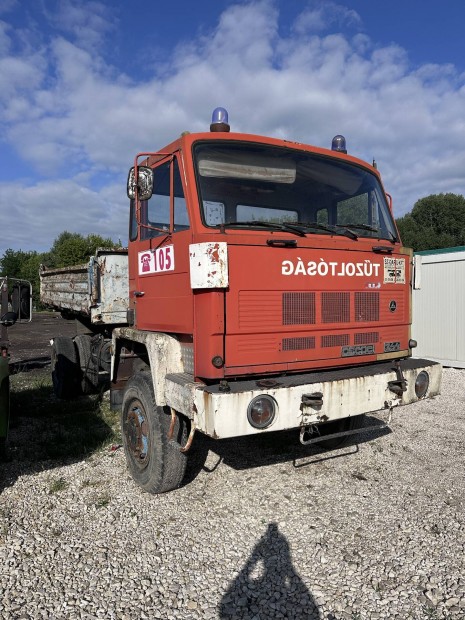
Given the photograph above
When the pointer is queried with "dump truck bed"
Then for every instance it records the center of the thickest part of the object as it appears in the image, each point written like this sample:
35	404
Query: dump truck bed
97	289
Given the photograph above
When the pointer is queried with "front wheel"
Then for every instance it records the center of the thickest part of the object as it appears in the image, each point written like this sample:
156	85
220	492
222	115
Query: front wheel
155	463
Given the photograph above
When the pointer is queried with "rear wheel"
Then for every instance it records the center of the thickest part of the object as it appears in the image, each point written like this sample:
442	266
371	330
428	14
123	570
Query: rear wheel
65	369
155	463
337	426
89	369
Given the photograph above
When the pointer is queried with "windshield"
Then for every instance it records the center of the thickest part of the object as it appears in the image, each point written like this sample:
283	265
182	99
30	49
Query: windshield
246	185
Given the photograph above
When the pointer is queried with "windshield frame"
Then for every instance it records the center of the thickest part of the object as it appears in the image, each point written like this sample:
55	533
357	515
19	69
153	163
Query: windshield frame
386	229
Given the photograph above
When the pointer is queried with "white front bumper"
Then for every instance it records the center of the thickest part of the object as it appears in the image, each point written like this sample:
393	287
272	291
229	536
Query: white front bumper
345	393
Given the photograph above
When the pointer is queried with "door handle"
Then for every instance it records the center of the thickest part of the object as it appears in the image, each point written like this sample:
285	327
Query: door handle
139	293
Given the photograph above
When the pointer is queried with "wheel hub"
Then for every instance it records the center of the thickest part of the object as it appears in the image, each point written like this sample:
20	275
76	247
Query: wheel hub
137	433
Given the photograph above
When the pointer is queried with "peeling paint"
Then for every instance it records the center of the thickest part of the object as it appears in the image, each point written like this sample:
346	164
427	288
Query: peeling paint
209	265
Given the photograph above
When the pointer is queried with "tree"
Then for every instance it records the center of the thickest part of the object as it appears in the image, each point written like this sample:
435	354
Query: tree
74	249
436	221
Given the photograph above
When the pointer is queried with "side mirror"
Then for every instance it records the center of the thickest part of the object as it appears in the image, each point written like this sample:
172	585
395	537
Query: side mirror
144	184
9	319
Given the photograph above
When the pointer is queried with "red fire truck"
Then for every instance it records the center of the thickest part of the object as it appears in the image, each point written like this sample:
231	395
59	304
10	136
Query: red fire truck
265	287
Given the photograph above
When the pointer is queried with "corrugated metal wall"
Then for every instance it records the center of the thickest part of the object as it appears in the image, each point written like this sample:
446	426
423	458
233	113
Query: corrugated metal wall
438	319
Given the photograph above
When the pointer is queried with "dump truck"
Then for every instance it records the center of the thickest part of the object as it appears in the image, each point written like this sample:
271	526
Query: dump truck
265	287
15	306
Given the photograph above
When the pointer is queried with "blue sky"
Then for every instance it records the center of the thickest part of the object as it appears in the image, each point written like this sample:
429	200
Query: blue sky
84	85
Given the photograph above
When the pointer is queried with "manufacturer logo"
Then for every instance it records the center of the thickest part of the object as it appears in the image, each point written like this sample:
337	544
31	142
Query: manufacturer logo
367	349
392	306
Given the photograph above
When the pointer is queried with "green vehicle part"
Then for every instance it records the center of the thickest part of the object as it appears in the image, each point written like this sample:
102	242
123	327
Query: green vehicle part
4	402
15	305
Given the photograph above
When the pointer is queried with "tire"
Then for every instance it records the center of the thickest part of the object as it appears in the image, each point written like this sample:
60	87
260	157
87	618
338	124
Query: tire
89	370
155	463
65	368
346	424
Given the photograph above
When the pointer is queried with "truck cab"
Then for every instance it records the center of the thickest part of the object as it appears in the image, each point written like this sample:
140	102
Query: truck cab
270	256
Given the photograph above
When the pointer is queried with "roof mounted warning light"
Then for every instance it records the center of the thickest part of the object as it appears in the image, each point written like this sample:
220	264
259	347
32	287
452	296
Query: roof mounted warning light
339	144
219	120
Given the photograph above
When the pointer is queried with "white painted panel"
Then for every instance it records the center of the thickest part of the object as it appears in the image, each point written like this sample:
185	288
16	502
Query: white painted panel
439	308
209	265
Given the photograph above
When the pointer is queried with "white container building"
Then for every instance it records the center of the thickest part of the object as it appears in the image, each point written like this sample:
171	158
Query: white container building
438	307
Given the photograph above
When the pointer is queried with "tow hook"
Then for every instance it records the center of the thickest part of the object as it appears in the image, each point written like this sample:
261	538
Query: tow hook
174	416
399	385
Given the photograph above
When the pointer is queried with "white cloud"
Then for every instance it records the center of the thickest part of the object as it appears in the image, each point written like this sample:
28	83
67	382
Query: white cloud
38	213
71	115
86	23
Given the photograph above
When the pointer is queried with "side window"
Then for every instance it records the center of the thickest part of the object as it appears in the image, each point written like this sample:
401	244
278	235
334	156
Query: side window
155	213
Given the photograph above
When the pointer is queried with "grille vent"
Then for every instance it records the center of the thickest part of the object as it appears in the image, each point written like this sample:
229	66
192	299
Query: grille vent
335	307
366	307
298	344
335	340
366	338
298	308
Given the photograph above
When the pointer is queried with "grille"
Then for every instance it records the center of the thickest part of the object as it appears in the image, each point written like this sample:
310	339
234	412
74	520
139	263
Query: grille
366	338
366	307
335	307
298	344
338	340
298	308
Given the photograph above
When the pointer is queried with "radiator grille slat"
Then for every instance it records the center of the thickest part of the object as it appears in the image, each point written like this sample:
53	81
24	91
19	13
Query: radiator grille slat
335	307
298	308
335	340
366	307
298	344
366	338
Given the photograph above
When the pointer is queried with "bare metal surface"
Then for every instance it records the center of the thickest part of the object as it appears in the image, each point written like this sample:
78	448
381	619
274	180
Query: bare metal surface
98	289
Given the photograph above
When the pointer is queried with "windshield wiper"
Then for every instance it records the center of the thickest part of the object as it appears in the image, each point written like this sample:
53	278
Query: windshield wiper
296	230
331	229
359	226
392	237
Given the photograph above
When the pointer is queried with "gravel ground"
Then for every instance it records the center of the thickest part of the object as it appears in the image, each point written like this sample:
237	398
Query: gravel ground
263	528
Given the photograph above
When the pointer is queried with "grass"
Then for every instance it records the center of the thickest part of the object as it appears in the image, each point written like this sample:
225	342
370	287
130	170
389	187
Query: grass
45	428
102	500
57	485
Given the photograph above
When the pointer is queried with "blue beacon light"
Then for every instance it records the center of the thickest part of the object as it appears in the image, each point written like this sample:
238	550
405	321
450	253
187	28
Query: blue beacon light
339	144
219	120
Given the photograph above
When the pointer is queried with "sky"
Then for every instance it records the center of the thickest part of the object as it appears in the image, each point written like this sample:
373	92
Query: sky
87	84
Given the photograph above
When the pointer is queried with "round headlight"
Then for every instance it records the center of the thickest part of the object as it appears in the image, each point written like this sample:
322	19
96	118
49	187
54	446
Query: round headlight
421	384
261	411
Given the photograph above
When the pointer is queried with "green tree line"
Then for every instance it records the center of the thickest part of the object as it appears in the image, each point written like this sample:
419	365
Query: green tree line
67	249
436	221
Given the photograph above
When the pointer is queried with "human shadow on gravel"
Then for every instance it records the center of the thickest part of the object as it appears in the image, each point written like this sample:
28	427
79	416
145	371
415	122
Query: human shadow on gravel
270	449
268	586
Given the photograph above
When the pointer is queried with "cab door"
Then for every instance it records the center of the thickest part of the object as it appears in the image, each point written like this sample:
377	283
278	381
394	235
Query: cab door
162	296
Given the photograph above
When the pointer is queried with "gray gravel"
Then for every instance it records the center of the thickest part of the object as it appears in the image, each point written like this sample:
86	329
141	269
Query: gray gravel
263	528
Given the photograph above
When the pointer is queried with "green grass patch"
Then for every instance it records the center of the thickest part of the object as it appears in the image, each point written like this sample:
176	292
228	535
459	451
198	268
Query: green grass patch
46	428
57	485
